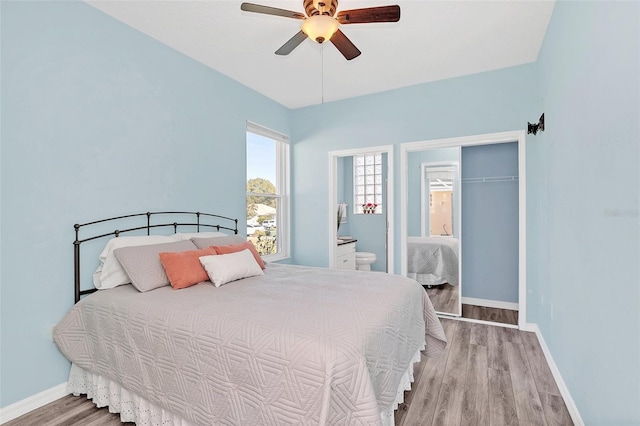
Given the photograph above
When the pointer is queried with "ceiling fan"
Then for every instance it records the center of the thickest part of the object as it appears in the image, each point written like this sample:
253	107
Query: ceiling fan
321	23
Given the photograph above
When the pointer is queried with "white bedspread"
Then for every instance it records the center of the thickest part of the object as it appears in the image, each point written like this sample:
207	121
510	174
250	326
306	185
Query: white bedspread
433	260
298	345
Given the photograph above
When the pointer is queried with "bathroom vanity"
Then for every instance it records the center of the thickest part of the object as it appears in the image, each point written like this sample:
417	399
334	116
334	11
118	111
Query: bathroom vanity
346	254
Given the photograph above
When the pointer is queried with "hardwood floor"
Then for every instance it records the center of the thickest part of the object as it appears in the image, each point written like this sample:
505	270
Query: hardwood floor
504	316
69	411
487	375
445	298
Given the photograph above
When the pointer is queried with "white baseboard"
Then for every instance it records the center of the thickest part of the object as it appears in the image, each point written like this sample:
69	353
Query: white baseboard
477	321
564	391
490	303
33	402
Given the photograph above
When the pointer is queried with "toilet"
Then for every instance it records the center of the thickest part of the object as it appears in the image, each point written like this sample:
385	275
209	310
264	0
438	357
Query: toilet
364	260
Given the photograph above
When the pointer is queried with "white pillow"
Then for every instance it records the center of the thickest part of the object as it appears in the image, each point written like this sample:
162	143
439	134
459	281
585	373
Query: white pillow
188	235
223	268
110	273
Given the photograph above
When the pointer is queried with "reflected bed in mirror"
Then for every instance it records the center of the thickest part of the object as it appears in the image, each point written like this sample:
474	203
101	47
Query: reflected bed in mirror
433	226
434	263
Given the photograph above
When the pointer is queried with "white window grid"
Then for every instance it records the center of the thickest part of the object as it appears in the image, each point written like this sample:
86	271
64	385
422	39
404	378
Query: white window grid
367	182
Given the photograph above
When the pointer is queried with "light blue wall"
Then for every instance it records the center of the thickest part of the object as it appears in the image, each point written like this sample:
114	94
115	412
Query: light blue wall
80	90
582	233
414	184
99	120
583	193
489	247
483	103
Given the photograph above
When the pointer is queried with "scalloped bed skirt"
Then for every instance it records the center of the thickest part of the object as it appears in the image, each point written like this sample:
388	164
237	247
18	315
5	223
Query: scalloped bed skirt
134	408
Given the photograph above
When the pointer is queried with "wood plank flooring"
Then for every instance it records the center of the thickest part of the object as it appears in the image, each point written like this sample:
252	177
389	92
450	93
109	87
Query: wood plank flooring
504	316
487	375
445	298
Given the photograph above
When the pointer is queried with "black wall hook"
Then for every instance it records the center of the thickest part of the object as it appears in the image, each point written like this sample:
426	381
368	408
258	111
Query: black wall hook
535	128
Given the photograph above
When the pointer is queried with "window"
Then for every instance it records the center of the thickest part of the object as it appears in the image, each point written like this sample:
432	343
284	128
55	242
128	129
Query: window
268	191
367	181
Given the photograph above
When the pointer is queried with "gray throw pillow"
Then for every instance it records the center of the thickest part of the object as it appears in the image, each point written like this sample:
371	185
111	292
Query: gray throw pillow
142	263
218	241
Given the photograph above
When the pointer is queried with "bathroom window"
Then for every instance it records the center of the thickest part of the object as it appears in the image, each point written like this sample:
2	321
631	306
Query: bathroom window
267	182
367	180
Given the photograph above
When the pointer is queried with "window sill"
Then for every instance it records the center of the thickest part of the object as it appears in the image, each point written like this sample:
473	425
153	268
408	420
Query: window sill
275	258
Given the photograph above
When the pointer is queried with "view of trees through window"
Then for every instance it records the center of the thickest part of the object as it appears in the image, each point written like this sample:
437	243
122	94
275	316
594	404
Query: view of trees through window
263	198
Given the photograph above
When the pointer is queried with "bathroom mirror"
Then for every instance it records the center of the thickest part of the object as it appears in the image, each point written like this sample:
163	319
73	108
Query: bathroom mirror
433	225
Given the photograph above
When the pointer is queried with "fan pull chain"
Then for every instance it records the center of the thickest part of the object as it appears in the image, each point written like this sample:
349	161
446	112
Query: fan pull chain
322	70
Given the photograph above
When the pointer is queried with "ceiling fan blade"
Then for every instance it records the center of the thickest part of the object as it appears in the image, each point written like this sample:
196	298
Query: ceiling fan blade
291	44
267	10
370	14
344	45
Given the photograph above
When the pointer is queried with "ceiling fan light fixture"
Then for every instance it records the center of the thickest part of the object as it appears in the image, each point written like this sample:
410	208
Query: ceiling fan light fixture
320	28
322	6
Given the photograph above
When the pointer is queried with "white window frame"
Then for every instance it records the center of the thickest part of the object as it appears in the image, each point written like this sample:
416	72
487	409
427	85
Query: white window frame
357	209
283	184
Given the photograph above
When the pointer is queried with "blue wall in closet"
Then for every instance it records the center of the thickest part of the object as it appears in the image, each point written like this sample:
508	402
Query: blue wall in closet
489	248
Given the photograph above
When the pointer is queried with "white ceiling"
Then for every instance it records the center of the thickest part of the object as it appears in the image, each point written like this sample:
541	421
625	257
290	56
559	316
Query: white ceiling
433	40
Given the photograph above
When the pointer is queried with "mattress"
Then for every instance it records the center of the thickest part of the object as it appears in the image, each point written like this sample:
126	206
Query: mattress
433	260
299	345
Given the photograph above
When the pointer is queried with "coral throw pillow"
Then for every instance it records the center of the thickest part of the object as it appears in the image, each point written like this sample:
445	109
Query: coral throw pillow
183	268
234	248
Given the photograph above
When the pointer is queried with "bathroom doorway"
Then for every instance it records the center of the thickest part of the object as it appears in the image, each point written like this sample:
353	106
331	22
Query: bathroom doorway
382	218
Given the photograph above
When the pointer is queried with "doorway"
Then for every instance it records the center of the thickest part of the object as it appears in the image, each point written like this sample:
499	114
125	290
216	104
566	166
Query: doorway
335	200
487	139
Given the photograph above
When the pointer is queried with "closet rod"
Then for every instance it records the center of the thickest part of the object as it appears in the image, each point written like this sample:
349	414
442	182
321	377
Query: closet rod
490	179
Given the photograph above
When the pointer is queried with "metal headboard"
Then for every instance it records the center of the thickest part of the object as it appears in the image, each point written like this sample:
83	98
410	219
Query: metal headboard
148	226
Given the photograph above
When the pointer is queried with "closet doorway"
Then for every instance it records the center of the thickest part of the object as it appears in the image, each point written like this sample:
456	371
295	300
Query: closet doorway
517	139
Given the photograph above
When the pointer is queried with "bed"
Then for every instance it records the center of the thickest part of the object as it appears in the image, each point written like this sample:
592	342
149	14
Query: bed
290	345
433	260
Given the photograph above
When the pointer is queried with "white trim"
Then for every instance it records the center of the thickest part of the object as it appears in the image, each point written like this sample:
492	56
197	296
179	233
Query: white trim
478	321
33	402
564	391
266	132
486	139
283	185
522	229
490	303
333	195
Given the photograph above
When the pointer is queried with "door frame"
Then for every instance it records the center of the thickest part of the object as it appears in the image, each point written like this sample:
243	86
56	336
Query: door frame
333	194
518	136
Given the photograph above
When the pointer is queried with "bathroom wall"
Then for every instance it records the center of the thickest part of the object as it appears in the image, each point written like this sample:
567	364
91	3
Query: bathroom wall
340	192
